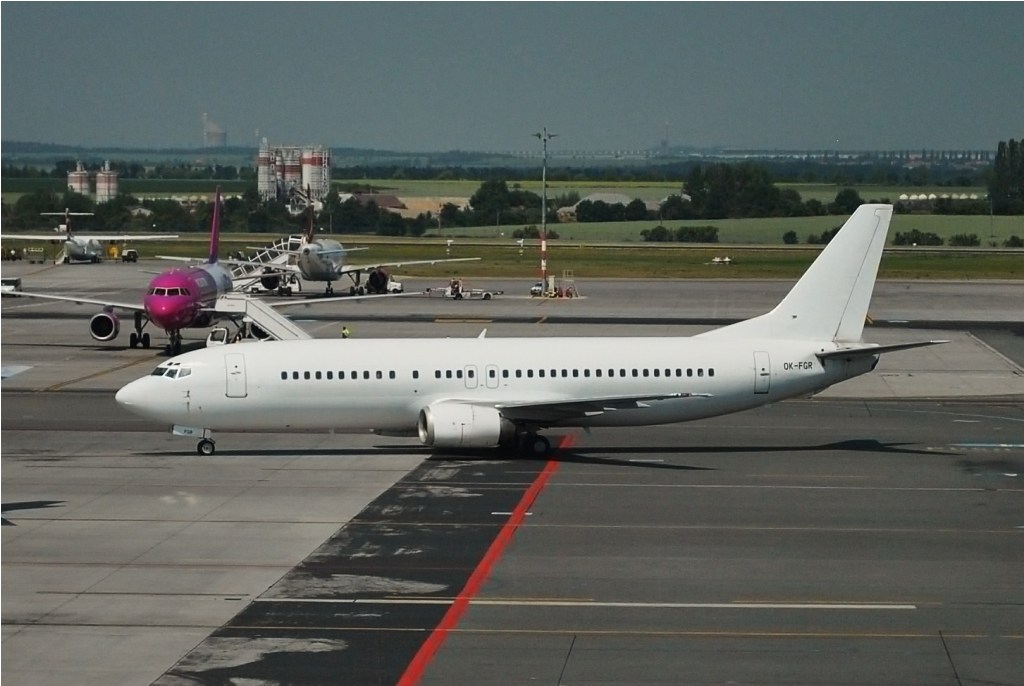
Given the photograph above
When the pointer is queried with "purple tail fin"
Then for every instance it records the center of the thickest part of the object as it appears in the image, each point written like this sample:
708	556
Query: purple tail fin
215	229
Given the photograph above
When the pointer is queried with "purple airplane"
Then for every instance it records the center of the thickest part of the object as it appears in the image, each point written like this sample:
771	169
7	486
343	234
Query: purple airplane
180	298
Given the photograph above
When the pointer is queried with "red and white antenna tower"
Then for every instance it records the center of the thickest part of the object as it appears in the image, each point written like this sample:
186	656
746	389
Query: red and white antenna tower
544	137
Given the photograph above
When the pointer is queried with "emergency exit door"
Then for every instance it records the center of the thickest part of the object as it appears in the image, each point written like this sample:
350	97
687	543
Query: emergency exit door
762	372
234	367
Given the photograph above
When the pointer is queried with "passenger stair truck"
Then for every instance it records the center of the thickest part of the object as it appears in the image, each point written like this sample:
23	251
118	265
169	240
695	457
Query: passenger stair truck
249	276
259	320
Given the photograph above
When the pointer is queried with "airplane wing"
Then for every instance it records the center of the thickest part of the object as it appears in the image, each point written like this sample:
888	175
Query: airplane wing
561	410
127	238
221	305
56	236
277	268
351	268
132	307
867	350
307	302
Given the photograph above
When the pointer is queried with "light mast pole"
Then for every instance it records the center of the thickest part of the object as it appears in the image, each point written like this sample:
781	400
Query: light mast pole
544	137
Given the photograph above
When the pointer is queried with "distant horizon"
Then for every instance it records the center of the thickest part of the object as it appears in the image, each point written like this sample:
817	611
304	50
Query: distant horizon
675	149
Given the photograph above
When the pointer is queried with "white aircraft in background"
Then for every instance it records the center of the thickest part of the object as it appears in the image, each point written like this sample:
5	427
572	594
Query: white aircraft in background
491	392
82	247
323	259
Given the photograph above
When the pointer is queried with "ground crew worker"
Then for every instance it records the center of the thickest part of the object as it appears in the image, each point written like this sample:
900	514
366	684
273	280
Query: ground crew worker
345	333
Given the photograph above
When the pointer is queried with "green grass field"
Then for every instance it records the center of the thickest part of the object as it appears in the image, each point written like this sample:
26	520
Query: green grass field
503	258
584	248
762	231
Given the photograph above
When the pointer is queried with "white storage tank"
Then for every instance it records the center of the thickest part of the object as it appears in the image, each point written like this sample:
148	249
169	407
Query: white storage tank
78	180
106	184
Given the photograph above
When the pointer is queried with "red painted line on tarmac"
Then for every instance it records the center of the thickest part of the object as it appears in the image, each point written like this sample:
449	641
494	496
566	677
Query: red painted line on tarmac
418	665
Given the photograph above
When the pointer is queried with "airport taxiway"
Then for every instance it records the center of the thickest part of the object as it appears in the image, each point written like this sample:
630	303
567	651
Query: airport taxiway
862	537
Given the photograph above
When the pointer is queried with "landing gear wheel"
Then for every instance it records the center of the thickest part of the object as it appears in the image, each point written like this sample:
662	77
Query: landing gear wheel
535	445
206	447
145	340
133	340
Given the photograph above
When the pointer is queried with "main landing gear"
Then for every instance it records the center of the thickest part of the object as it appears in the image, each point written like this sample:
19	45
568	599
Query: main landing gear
137	337
206	447
530	444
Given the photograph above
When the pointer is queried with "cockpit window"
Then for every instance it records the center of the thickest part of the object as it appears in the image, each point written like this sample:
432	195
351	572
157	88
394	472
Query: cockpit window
168	291
172	372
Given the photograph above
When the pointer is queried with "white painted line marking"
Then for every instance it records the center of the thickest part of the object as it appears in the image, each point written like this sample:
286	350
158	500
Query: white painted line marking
597	604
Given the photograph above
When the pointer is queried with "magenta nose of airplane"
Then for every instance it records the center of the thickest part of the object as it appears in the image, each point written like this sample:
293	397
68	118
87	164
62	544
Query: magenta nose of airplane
164	311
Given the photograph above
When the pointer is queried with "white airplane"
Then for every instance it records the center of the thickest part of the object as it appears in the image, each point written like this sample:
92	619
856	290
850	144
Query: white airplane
499	392
82	247
323	259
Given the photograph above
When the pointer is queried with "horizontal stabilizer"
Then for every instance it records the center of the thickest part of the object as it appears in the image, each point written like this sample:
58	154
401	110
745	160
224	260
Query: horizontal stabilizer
868	350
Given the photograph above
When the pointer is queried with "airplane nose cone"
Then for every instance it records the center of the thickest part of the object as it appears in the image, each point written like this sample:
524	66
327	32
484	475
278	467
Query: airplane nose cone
132	397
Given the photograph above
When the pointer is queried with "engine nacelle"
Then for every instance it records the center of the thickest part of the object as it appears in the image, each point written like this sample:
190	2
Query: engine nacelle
104	326
377	281
462	425
270	281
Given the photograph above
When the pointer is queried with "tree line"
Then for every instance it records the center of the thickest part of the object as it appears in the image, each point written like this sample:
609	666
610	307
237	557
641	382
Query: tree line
708	191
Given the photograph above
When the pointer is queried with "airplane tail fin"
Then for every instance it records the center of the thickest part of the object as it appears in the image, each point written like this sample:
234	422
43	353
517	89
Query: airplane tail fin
309	227
215	229
830	301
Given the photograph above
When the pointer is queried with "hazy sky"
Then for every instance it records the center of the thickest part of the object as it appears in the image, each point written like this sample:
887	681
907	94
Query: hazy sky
485	76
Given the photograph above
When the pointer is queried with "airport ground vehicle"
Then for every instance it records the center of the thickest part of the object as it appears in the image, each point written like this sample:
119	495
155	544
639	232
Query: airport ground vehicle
456	290
130	255
10	285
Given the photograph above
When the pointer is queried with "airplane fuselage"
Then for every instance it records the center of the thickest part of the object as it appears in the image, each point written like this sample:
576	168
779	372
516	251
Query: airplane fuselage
321	260
383	385
79	249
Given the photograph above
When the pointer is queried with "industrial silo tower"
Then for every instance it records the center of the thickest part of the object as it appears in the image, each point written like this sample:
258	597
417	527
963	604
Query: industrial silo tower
285	171
106	184
78	180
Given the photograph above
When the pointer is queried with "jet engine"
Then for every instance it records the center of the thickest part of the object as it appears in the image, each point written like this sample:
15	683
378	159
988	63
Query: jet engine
377	281
270	280
462	425
104	326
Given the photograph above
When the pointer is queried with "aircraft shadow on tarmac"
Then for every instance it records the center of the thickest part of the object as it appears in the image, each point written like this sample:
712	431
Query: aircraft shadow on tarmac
854	445
572	455
26	505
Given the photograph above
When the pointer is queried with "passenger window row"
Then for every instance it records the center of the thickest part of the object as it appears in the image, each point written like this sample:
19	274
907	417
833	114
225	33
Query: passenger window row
470	373
610	373
339	375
